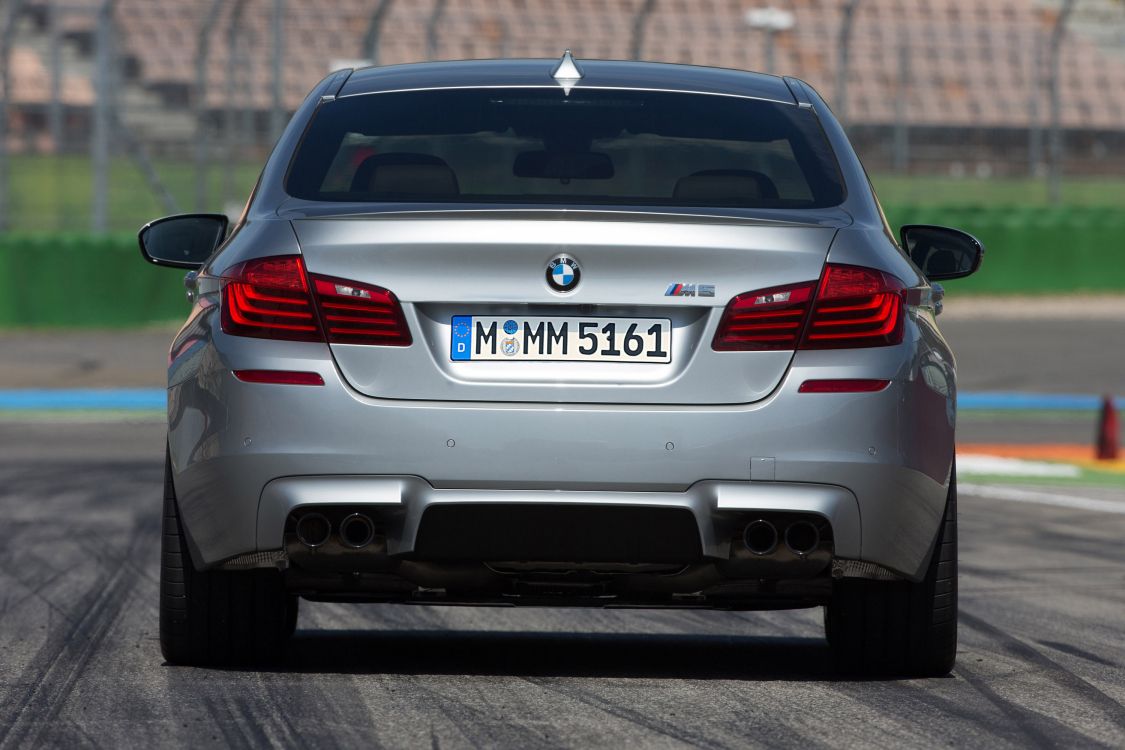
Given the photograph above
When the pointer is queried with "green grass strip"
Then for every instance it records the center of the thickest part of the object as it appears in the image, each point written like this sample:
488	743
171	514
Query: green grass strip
1086	478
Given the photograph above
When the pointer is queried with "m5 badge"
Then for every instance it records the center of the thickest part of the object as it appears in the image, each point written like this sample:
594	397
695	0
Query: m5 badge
690	290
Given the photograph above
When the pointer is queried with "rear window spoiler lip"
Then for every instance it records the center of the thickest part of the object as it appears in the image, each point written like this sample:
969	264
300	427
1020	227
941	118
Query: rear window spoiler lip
836	218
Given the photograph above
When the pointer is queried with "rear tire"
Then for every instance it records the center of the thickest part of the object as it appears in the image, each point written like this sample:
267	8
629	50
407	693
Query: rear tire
878	628
217	617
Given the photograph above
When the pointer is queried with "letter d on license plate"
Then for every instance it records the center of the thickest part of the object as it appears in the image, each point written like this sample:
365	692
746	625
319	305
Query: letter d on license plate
475	338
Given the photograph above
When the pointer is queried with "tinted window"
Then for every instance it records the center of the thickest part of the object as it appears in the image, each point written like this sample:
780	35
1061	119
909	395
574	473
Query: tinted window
538	145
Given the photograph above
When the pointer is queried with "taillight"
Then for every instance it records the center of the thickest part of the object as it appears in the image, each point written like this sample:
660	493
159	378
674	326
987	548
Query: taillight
270	298
856	307
853	307
766	319
360	314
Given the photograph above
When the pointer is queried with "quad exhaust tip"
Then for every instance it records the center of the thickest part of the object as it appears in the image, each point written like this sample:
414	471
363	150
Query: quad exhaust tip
357	531
313	530
760	537
801	537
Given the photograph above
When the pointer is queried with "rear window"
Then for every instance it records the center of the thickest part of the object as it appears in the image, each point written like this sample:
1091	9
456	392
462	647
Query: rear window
540	145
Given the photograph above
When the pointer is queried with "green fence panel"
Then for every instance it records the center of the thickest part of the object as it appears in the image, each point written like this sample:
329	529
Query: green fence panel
1035	250
78	280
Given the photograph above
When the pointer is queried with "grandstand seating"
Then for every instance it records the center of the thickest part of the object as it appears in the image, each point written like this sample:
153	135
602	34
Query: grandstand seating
970	63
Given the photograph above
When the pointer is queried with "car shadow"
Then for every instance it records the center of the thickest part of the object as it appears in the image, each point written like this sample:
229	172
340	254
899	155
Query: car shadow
532	654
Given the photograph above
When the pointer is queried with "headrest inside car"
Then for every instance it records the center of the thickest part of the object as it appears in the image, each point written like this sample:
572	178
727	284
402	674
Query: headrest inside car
405	174
725	187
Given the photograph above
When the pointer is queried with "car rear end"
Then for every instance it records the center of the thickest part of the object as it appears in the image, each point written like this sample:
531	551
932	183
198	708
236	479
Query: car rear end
544	345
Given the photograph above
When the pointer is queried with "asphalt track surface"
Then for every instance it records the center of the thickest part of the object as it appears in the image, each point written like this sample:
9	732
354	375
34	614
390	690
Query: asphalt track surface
1041	662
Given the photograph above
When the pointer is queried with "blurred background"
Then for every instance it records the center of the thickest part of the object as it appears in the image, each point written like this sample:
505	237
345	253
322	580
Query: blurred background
1003	117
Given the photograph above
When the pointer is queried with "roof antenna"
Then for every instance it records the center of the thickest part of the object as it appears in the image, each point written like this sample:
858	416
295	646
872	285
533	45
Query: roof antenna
567	73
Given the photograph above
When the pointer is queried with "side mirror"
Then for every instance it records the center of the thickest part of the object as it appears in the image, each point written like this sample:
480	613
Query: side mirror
940	252
183	241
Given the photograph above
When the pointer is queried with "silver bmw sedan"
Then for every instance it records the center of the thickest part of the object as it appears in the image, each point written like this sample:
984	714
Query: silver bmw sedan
562	333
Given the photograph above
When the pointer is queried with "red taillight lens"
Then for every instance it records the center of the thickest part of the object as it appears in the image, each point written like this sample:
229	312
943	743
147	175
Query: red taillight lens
268	298
856	307
767	319
360	314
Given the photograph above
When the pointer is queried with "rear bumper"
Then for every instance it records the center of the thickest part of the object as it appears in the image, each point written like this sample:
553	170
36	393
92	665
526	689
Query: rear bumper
876	464
719	509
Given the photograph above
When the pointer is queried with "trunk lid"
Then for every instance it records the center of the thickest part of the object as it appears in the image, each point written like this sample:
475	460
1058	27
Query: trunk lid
493	265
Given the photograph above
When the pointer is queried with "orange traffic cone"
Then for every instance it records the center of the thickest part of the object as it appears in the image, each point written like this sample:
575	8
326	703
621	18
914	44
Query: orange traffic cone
1107	431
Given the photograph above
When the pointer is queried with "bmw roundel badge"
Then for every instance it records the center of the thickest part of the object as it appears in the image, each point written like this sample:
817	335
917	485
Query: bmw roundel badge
563	274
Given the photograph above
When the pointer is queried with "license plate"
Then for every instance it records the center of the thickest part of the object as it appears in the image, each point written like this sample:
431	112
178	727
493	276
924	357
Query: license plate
478	338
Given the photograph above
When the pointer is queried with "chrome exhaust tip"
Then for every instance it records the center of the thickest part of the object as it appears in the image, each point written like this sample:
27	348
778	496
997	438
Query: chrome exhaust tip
357	531
313	530
760	537
802	538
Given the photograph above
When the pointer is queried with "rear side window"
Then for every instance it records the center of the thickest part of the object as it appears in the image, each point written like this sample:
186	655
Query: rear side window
540	145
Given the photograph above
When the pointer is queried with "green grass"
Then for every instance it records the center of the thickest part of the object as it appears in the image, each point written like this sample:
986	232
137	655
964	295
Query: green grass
897	190
54	193
1085	478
